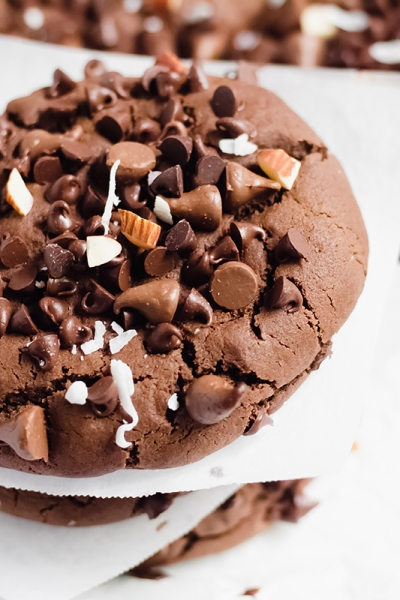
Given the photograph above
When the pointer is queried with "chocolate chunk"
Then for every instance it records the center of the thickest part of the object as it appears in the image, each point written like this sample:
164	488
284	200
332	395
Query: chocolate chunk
57	260
59	218
181	238
54	309
26	433
196	307
62	84
116	124
293	245
47	169
13	251
72	331
285	295
159	262
234	285
225	250
202	207
223	102
172	111
45	348
177	149
23	279
76	151
259	422
155	505
137	160
5	314
244	233
103	396
169	183
61	287
21	322
156	300
164	338
94	69
242	186
66	188
232	127
98	300
209	170
197	79
211	399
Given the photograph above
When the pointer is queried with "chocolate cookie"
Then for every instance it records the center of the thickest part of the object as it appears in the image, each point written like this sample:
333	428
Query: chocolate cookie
176	254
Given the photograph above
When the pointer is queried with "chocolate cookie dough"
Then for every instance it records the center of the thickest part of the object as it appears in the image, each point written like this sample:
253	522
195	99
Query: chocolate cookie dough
156	306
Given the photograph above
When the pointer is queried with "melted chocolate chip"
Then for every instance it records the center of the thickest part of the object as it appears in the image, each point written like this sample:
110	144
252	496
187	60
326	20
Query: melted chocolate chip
103	396
209	170
57	260
21	322
54	309
181	238
169	183
66	188
244	233
164	338
23	279
285	295
210	399
100	98
177	149
234	285
159	262
146	131
195	308
45	348
72	331
59	218
97	301
115	82
5	314
47	169
13	251
293	245
223	102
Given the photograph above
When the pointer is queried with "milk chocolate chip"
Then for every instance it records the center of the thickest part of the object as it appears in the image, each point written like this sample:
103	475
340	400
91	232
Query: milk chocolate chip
54	309
197	79
234	285
47	169
45	349
26	433
243	185
72	331
244	233
159	262
211	399
285	295
59	218
66	188
98	300
5	314
202	207
21	322
164	338
196	307
156	300
137	160
293	245
23	279
103	396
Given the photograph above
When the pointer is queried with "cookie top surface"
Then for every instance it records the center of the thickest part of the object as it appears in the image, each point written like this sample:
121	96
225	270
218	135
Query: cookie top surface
176	253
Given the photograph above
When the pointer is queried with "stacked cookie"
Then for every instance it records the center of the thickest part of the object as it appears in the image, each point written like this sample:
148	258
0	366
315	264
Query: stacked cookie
176	253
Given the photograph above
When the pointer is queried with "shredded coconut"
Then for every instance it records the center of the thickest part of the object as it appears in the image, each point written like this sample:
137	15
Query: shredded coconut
123	379
77	393
239	146
116	327
173	403
112	198
40	284
162	211
73	349
116	344
97	342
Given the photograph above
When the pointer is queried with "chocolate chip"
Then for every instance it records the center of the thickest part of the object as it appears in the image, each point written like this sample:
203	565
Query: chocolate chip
164	338
137	160
197	79
116	124
181	238
285	295
92	204
234	285
5	314
76	151
45	348
244	233
54	309
225	250
210	399
93	226
159	262
261	420
26	433
94	68
100	98
13	251
72	331
47	169
196	307
131	197
167	84
169	183
177	149
59	218
198	269
146	131
117	277
233	128
64	239
148	214
21	322
242	186
150	75
115	82
156	300
61	287
293	245
202	150
173	128
78	249
103	396
97	301
62	84
172	111
157	504
209	169
202	207
57	260
66	188
23	279
223	102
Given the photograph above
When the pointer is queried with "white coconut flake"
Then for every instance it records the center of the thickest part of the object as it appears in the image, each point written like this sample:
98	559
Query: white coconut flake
112	198
173	403
73	349
34	18
152	176
116	344
89	347
239	146
123	379
97	342
40	284
386	52
77	393
117	327
162	211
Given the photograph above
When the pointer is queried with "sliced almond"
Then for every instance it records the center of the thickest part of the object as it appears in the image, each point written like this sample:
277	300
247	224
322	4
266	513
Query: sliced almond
170	60
141	232
279	166
100	249
17	194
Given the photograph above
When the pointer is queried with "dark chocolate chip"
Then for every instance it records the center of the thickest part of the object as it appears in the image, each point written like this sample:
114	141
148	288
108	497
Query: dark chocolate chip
94	68
225	250
56	310
115	82
195	308
172	111
209	170
164	338
131	197
23	278
66	188
115	125
5	314
198	269
21	322
76	151
58	260
97	301
13	251
78	249
285	295
244	233
45	348
293	245
159	262
93	226
72	331
47	169
61	287
103	396
197	79
210	399
59	218
169	183
117	277
201	149
92	204
234	285
232	127
181	238
62	84
223	102
177	149
167	84
64	239
148	214
259	422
